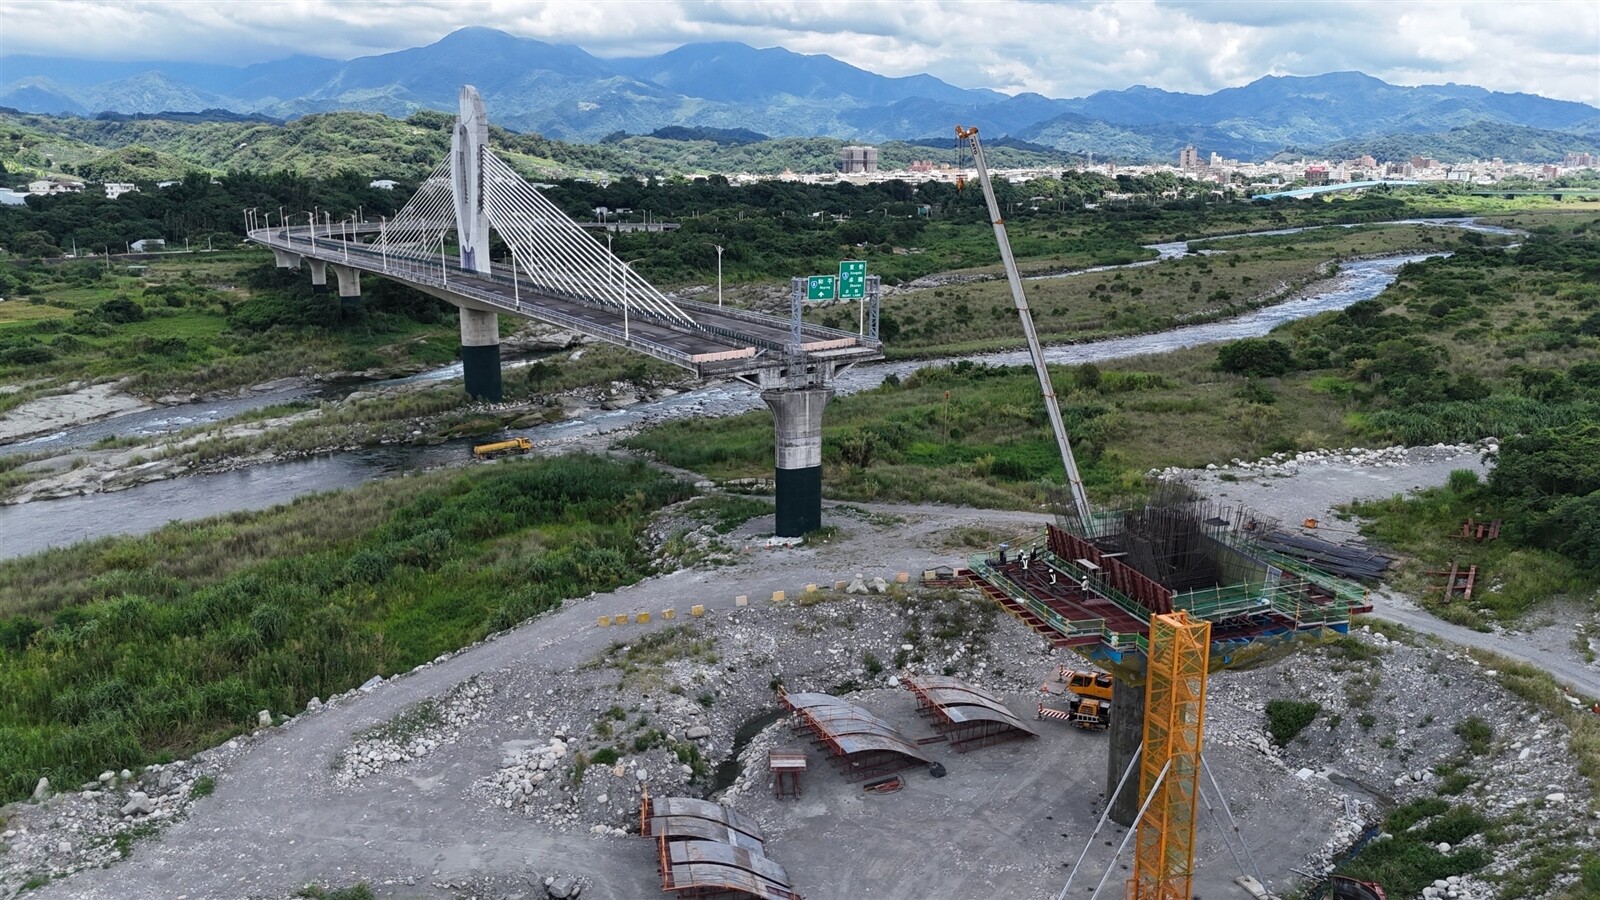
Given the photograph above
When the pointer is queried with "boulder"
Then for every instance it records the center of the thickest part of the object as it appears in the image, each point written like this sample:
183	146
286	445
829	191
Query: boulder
41	791
264	718
697	733
561	888
314	704
139	804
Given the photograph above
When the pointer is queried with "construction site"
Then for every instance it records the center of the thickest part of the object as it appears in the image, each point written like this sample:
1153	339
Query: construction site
1081	708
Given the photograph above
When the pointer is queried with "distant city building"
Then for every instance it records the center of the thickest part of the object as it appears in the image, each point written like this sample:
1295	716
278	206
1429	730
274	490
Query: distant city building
1424	162
117	189
1316	175
1216	159
922	165
853	160
1189	158
1549	172
1581	160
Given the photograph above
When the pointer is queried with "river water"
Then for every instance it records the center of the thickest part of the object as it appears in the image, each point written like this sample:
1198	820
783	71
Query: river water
30	527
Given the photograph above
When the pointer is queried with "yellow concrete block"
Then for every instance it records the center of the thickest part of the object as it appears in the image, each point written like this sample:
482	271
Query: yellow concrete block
902	578
840	585
619	619
777	596
811	589
604	621
697	610
669	614
741	600
642	618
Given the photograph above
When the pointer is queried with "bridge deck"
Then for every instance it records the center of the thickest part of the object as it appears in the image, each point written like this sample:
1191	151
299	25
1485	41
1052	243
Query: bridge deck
728	341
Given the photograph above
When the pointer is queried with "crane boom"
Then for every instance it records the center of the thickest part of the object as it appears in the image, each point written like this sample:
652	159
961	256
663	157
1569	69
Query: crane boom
1080	500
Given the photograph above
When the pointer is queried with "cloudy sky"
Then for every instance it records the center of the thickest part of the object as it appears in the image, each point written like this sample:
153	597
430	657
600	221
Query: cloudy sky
1060	49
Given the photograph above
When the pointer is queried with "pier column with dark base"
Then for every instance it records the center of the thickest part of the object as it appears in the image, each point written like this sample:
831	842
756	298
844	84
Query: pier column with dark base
480	354
319	276
1127	733
797	416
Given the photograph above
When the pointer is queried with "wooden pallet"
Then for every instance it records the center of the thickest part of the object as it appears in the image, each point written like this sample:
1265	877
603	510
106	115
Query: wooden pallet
1458	583
1472	530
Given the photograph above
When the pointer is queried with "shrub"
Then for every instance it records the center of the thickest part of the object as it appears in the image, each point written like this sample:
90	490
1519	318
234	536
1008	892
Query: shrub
119	310
1476	734
1287	718
203	786
1256	357
605	756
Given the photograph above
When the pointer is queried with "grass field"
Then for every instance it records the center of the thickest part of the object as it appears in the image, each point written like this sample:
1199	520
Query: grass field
125	651
174	325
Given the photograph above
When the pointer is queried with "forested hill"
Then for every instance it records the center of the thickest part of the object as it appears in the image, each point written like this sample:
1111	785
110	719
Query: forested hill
159	148
1480	140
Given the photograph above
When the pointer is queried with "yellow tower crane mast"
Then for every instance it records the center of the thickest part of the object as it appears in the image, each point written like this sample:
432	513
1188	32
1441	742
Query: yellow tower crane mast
1169	768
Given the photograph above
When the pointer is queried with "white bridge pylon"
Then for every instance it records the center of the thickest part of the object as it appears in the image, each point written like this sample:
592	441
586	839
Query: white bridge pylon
552	254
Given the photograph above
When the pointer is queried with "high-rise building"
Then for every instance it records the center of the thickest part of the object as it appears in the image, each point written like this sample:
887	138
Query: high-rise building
854	160
1189	158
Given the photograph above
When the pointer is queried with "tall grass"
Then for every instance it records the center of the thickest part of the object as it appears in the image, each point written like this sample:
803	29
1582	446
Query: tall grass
154	657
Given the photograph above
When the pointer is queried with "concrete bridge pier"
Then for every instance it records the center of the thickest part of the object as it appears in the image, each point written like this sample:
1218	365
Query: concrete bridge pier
480	353
285	259
349	289
319	276
797	416
1127	733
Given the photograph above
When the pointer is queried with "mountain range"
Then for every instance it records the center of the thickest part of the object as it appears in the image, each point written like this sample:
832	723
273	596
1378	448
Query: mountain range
562	91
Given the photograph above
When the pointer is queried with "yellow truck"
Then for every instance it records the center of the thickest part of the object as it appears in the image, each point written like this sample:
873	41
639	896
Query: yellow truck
499	448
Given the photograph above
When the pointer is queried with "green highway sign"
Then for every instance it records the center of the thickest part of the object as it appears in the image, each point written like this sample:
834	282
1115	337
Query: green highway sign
852	280
820	287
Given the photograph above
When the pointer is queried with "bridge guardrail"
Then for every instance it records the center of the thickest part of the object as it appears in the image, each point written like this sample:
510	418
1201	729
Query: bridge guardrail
416	270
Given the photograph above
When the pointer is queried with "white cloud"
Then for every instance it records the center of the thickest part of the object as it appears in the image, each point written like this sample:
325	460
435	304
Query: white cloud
1548	47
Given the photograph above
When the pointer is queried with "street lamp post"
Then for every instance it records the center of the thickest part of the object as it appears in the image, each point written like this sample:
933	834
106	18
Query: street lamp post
383	241
719	274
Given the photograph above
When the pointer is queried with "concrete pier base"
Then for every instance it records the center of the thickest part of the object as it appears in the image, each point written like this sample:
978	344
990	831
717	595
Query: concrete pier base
1127	733
319	275
797	421
284	259
480	354
349	289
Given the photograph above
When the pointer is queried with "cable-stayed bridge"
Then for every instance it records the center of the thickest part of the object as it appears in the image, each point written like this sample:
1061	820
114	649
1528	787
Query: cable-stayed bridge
557	273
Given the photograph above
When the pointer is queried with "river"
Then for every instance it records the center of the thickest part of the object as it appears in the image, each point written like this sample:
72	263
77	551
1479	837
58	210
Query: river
30	527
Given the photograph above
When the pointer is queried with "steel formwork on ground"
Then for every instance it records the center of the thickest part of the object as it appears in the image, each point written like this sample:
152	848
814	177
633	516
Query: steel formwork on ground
859	743
704	851
969	716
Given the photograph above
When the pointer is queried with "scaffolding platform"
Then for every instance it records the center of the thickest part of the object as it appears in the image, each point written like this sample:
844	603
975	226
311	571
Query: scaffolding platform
1094	588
